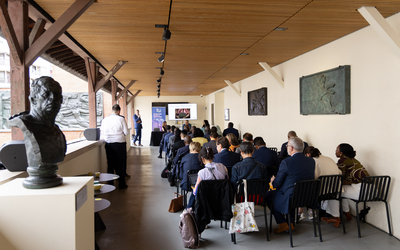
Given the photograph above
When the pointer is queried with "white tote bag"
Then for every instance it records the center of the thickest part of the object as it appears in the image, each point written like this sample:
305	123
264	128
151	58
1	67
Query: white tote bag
243	215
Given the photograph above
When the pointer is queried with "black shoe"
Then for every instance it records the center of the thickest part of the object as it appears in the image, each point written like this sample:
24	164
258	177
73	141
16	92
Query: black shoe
159	157
123	187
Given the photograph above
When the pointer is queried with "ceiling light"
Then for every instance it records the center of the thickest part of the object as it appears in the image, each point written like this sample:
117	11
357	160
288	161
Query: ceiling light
166	34
245	54
159	86
159	80
280	29
161	72
158	95
161	58
158	91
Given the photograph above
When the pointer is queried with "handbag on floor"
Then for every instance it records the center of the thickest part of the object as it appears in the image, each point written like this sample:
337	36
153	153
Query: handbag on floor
243	215
176	204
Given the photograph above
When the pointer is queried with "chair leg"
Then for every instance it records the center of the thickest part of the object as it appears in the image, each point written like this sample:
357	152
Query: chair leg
290	229
319	225
388	218
233	237
270	220
221	224
341	216
315	230
358	221
226	225
266	222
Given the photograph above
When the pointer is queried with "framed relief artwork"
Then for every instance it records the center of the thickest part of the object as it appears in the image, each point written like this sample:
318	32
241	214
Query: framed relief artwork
326	92
257	102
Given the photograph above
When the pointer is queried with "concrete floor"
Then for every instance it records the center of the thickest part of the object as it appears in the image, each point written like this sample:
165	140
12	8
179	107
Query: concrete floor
138	218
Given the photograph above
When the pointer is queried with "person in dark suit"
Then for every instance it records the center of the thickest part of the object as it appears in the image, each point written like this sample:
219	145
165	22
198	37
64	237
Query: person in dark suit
224	156
284	153
249	168
138	127
186	124
161	149
179	144
212	143
166	139
190	161
296	168
265	155
230	129
180	154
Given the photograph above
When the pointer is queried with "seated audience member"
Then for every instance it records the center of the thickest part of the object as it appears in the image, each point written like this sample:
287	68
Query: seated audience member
296	168
233	142
174	138
212	143
219	131
207	133
224	156
189	161
249	168
264	155
166	140
164	126
191	132
180	154
230	130
211	171
198	136
180	143
284	153
161	149
214	129
246	137
186	124
353	173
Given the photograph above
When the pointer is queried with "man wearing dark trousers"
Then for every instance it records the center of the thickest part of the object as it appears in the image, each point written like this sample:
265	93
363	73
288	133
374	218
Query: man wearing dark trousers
138	127
113	131
296	168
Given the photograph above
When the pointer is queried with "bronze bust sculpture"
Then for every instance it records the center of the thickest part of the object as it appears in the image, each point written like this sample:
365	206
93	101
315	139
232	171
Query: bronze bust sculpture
45	143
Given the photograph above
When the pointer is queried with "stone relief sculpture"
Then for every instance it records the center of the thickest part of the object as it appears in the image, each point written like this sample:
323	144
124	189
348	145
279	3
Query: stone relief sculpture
5	109
326	92
44	142
257	102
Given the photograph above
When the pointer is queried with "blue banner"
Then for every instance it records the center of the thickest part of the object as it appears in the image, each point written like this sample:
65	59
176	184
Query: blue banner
158	116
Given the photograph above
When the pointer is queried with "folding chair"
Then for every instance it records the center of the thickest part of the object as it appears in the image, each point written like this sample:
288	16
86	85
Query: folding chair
373	188
190	182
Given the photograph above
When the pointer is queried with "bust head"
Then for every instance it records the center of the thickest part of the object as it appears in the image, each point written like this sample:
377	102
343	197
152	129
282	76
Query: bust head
45	98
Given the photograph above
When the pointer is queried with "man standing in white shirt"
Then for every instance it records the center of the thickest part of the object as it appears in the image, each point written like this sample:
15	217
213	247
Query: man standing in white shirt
113	131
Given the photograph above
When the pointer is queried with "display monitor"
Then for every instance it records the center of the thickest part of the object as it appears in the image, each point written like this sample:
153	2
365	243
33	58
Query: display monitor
186	111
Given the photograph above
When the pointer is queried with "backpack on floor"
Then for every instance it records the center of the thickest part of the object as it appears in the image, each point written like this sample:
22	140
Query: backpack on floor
188	229
165	172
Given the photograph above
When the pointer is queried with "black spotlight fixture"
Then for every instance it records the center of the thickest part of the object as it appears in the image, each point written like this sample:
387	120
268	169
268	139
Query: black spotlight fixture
158	91
166	34
161	58
159	80
158	95
159	86
161	72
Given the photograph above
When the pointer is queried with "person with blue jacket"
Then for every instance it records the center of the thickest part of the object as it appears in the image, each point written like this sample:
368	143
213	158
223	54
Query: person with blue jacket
138	127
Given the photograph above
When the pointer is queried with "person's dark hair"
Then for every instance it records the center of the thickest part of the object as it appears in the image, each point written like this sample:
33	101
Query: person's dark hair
230	125
168	127
248	137
198	133
173	128
116	108
314	152
184	132
214	135
177	135
207	129
246	147
214	129
347	150
223	142
259	141
206	124
187	140
206	153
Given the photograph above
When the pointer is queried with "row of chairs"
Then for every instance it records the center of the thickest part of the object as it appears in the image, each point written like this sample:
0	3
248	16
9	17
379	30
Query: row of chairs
312	192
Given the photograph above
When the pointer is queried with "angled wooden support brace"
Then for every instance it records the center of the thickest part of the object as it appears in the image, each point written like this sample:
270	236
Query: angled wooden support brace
91	73
136	94
56	30
113	91
37	30
382	27
130	100
266	67
233	87
125	89
9	33
110	74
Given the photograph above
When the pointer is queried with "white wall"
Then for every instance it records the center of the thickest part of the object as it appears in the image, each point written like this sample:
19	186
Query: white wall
372	128
143	103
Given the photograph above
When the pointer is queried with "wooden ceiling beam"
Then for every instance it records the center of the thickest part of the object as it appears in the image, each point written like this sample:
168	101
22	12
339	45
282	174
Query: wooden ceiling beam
110	74
125	89
37	30
56	30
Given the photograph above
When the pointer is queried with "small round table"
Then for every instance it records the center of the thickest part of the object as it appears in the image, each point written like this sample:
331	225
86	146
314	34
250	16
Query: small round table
106	177
105	189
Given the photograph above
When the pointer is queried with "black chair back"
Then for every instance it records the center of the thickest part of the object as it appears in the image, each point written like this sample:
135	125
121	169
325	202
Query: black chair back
374	188
273	149
271	170
256	190
331	187
305	194
192	178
